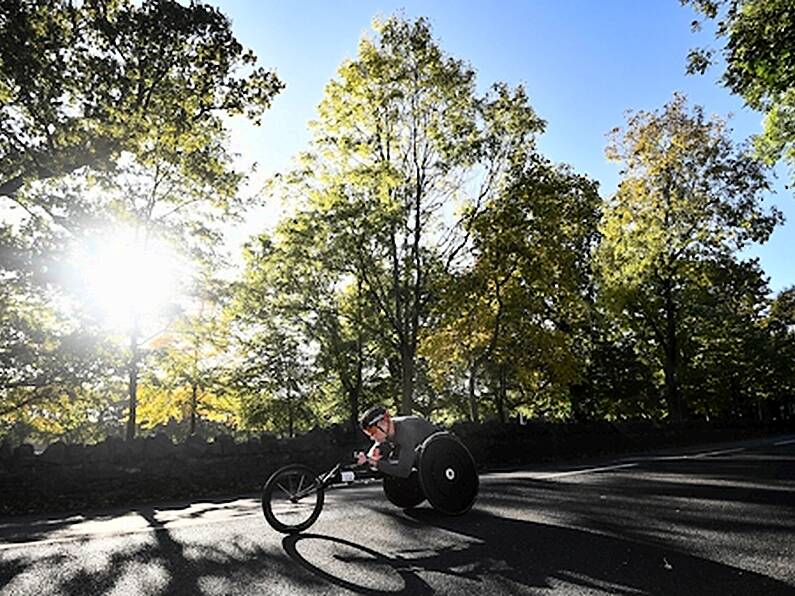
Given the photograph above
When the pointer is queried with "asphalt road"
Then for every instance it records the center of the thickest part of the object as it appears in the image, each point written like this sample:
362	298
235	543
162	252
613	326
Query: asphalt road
716	520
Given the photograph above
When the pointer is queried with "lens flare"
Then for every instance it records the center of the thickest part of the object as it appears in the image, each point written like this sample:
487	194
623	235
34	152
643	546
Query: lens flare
126	277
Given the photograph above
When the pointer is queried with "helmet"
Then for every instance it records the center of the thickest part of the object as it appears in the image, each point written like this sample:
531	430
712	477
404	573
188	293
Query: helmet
373	416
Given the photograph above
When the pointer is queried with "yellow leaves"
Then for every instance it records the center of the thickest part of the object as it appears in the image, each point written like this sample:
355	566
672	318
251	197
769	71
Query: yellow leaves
156	405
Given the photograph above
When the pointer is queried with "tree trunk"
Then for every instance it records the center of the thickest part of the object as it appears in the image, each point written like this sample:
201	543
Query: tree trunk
407	380
673	396
356	394
193	404
290	430
473	399
501	394
132	385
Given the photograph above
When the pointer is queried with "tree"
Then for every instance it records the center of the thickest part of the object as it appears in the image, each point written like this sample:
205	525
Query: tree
521	309
82	82
779	359
725	343
133	94
49	350
293	275
279	385
758	53
398	140
187	380
159	202
688	198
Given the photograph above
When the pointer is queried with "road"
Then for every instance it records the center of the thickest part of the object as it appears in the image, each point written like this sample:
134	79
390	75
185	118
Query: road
715	520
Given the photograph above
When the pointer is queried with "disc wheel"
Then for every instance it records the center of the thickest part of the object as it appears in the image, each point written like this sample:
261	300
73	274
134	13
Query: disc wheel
292	499
448	475
404	492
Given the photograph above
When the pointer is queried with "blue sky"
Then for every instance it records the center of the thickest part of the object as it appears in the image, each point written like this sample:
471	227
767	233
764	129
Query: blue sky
583	62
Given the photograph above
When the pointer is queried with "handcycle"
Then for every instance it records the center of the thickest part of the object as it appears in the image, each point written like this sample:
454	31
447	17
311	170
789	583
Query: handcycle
444	473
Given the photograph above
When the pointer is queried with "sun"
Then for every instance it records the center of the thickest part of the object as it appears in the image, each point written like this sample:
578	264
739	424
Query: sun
126	277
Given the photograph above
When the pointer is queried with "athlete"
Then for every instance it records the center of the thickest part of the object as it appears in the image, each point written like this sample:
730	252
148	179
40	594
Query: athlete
395	440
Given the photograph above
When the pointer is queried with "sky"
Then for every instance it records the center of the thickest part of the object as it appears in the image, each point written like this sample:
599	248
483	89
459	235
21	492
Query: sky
584	63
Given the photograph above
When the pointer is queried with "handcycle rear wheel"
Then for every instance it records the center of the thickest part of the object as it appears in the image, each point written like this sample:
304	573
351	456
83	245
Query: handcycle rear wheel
292	499
448	475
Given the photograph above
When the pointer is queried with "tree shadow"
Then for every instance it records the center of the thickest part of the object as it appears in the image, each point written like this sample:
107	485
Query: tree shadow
542	556
154	562
32	528
507	555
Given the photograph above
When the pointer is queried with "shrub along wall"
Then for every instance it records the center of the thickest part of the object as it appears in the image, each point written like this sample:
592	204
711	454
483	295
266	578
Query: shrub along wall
114	472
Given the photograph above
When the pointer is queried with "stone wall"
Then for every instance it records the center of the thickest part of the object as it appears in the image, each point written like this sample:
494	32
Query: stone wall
72	477
496	446
115	472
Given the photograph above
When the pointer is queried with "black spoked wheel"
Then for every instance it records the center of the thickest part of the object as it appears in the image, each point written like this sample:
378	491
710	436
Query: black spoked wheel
292	499
448	475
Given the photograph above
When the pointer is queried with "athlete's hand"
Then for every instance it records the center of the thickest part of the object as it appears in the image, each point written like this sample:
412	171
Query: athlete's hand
373	456
361	458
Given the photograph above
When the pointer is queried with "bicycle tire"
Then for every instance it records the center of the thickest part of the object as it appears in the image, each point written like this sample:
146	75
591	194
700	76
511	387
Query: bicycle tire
282	495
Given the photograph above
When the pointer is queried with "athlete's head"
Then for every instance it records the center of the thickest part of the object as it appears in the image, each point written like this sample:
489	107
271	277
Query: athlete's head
377	423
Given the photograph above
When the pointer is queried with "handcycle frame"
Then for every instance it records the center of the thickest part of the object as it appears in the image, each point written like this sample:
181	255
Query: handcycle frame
448	481
329	479
308	484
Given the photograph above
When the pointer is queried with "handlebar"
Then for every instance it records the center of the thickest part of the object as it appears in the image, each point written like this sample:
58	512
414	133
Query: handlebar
338	473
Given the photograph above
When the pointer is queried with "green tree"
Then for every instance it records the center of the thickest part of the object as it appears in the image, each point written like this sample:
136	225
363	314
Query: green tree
725	343
190	370
779	359
688	197
759	64
82	82
398	142
49	349
294	275
160	203
279	387
134	94
521	309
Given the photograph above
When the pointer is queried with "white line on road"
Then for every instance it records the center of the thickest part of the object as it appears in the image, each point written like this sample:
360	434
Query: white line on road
586	471
720	452
787	442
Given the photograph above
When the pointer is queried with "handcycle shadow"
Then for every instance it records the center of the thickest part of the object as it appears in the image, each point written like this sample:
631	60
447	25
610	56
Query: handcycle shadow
366	557
501	554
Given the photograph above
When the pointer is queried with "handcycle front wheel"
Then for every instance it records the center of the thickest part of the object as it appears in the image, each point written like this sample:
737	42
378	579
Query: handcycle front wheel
292	499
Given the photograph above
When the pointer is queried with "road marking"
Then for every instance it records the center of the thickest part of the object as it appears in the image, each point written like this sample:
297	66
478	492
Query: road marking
720	452
787	442
586	471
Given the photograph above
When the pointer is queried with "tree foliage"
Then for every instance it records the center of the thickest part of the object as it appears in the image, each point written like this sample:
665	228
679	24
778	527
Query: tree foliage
520	310
82	82
759	55
399	137
688	202
111	117
428	257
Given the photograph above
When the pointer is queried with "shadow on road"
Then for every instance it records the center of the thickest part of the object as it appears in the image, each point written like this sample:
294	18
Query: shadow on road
519	554
540	555
654	530
34	527
362	559
154	562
